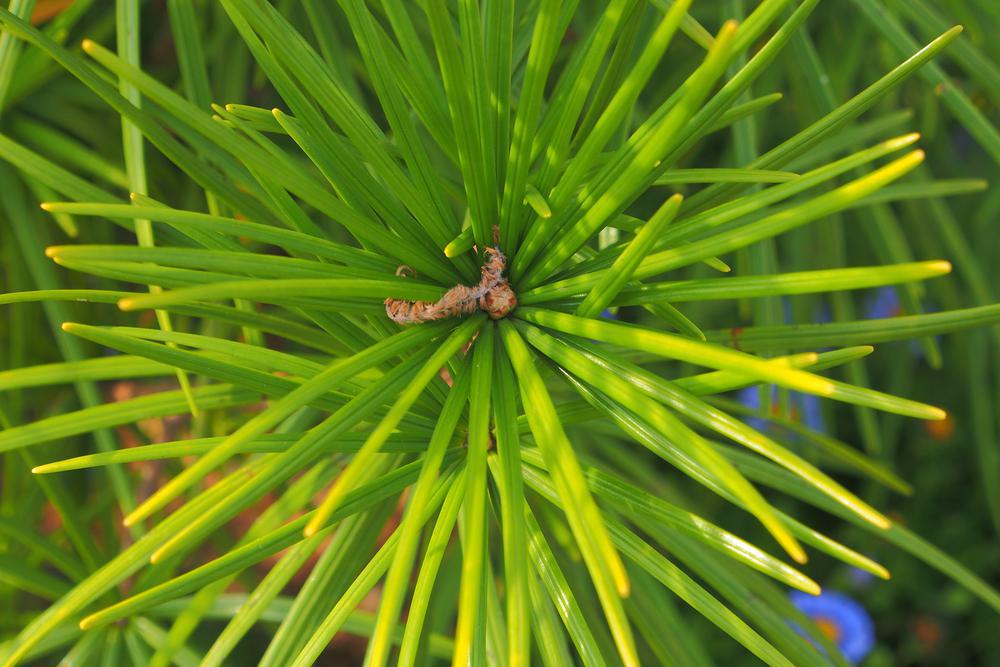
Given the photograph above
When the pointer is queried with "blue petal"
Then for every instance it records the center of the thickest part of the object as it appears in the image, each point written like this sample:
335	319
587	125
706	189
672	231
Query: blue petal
854	625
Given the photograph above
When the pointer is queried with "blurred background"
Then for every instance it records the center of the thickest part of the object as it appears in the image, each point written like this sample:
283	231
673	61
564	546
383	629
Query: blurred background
919	617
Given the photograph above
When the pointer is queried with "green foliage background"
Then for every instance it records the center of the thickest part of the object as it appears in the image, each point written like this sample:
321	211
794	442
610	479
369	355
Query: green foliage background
438	93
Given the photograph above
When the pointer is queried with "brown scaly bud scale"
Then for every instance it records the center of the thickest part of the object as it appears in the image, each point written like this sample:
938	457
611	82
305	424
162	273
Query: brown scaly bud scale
492	295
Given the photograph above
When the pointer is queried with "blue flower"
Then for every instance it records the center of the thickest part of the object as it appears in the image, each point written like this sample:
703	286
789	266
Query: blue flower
805	408
884	305
840	618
